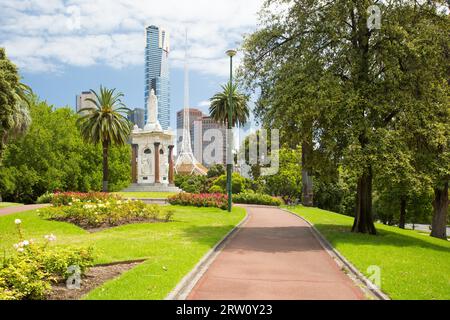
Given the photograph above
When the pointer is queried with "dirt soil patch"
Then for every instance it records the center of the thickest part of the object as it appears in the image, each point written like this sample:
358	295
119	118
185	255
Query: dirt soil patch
95	277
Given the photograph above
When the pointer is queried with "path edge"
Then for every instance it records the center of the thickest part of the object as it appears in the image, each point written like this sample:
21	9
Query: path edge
185	286
361	280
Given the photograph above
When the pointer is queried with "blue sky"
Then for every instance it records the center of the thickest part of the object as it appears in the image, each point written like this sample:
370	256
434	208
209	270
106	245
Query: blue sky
63	47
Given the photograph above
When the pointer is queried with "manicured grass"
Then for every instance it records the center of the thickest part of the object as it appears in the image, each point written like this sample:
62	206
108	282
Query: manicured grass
9	204
413	266
172	249
147	195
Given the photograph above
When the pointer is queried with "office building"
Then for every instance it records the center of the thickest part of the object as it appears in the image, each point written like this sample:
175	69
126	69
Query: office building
157	72
200	139
137	117
81	102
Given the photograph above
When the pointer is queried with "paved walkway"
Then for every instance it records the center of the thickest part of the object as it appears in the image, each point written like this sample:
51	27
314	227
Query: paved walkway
273	256
28	207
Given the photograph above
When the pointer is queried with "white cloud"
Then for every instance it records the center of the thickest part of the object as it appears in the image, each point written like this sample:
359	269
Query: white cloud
44	35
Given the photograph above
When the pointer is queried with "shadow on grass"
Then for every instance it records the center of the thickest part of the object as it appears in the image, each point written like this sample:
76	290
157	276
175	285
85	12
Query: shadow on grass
342	234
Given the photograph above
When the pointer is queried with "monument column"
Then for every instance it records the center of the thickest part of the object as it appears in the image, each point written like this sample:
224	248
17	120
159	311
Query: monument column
134	159
171	165
157	164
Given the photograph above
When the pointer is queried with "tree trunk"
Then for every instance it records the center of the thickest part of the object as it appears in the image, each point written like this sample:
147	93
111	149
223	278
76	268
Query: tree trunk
307	177
440	205
363	216
402	220
105	146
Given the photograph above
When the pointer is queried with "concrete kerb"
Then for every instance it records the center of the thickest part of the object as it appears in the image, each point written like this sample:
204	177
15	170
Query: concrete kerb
185	286
360	280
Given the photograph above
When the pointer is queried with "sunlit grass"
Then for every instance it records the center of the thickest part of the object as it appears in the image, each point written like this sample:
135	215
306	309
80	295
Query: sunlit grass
171	249
413	265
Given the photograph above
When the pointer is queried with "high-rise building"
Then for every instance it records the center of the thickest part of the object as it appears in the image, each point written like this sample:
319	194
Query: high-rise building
199	125
194	115
220	132
81	102
137	117
157	72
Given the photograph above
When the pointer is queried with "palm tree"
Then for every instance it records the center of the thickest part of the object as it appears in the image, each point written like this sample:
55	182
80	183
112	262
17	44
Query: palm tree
19	119
105	123
220	104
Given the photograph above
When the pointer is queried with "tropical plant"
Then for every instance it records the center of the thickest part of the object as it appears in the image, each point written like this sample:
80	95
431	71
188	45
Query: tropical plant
53	157
220	105
14	102
105	123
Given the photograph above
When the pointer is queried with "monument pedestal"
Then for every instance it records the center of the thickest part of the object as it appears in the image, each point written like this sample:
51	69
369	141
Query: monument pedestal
152	163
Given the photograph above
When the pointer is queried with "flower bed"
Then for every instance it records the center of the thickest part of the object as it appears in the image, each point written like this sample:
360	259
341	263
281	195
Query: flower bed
66	198
104	214
29	273
216	200
256	198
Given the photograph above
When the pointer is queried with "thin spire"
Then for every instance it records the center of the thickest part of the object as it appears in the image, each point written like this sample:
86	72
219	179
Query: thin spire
186	144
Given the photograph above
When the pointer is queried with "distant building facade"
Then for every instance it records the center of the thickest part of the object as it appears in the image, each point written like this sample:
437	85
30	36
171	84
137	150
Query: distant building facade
137	117
204	132
81	102
194	115
157	72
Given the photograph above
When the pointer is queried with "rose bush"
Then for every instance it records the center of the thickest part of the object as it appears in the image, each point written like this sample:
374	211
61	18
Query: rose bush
66	198
29	273
216	200
109	212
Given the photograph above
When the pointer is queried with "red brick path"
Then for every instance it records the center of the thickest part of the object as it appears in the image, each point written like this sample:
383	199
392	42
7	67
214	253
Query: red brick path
274	255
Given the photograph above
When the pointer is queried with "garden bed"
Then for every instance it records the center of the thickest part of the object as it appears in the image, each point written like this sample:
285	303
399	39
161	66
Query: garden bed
95	277
96	211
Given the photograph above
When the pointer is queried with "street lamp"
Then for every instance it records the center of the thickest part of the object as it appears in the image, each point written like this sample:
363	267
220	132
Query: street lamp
231	54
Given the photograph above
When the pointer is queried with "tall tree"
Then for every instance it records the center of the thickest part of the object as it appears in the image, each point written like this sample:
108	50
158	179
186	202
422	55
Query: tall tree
220	105
14	106
105	124
348	81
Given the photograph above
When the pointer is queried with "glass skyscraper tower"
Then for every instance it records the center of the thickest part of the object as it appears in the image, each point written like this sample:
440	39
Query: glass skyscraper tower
157	72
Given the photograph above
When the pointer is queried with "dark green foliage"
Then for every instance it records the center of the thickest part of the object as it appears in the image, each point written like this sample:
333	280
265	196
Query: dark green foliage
52	156
220	106
193	183
216	171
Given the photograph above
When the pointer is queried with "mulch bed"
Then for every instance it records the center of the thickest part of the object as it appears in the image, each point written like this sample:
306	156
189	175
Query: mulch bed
95	277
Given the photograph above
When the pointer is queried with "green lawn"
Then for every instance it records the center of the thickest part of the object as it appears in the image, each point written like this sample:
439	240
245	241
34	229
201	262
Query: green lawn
147	195
9	204
413	265
172	249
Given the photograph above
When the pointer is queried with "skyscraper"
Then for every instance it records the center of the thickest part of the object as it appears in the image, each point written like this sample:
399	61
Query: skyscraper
157	72
137	116
81	102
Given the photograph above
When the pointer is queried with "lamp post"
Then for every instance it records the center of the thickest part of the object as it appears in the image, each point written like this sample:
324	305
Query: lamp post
231	54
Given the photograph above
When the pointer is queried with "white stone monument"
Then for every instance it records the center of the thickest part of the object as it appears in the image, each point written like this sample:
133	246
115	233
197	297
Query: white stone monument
152	157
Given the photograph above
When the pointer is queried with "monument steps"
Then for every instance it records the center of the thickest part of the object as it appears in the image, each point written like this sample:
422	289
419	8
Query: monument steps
137	187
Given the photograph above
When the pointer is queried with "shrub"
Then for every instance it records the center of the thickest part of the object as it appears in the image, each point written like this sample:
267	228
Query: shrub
216	189
45	198
238	183
66	198
216	200
193	183
216	171
256	198
102	214
29	273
